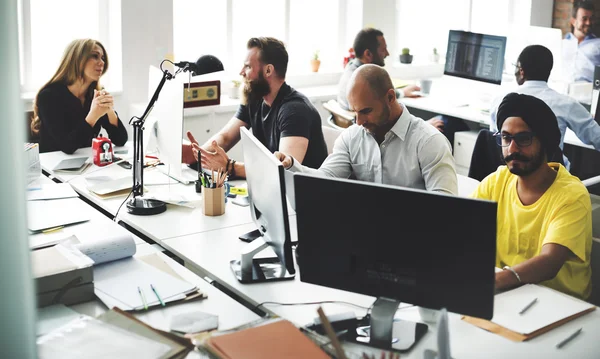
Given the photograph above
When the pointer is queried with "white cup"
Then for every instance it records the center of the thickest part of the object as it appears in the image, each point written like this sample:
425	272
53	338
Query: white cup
425	86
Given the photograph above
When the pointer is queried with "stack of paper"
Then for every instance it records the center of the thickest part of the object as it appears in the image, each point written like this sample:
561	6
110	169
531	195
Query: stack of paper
43	215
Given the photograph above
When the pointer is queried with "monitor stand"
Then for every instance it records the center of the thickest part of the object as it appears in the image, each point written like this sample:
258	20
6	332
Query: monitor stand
386	333
256	270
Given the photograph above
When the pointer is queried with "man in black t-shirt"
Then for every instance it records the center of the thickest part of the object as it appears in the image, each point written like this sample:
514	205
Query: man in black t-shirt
280	117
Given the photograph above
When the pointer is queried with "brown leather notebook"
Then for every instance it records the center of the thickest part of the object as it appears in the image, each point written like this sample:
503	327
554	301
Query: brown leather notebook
275	340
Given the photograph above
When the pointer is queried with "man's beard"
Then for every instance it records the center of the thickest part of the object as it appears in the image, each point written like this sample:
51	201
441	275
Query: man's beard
377	60
255	90
531	164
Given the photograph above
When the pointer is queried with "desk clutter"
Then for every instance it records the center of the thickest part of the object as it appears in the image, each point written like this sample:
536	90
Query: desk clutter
114	334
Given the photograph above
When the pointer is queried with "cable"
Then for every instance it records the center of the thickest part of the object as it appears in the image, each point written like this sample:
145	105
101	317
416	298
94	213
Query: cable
117	214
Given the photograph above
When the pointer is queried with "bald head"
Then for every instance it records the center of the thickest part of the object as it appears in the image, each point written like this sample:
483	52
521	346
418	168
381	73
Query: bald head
373	76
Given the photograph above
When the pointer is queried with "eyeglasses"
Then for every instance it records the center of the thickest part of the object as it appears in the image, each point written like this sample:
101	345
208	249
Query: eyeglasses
522	139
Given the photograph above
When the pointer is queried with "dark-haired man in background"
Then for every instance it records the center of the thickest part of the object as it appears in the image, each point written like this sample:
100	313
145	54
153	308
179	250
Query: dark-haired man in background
581	48
370	48
280	117
532	72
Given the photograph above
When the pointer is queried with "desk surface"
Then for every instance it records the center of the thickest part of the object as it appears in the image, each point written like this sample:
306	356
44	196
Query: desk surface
211	252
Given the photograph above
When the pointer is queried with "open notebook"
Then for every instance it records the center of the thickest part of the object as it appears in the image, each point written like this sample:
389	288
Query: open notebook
117	275
551	309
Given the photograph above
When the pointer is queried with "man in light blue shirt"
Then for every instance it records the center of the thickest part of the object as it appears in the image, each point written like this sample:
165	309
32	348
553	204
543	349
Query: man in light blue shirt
581	48
532	72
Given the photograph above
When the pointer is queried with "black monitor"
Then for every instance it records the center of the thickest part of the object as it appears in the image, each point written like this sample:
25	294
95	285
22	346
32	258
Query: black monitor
475	56
268	207
398	244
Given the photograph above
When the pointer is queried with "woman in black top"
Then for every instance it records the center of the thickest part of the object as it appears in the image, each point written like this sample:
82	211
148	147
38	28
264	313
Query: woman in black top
71	108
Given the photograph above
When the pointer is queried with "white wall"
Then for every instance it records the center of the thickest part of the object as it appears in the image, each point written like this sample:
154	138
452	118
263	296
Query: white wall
17	308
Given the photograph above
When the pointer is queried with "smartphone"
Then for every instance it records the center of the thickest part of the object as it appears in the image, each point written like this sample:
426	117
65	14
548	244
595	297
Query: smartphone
241	201
250	236
125	164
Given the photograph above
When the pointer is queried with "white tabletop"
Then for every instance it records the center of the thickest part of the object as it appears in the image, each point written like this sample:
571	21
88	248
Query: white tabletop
211	252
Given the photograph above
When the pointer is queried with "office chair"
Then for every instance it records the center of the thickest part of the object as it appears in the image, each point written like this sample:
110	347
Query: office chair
330	134
340	118
595	297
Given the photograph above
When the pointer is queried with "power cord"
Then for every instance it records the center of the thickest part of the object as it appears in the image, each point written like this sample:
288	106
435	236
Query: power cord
118	210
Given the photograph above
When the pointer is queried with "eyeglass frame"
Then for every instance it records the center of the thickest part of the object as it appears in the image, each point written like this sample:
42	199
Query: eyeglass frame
500	138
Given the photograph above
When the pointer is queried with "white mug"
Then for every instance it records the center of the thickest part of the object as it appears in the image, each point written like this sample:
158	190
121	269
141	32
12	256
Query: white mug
425	86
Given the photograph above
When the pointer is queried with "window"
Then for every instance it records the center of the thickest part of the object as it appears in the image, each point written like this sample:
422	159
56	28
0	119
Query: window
199	28
305	26
424	25
47	27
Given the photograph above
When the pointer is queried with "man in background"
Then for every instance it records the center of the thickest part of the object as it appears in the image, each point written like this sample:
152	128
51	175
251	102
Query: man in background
532	72
581	48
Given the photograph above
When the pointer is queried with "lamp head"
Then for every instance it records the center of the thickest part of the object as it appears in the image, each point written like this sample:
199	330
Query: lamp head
207	64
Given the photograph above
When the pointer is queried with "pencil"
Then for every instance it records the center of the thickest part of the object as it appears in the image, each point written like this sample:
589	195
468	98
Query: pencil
157	296
331	334
143	298
53	229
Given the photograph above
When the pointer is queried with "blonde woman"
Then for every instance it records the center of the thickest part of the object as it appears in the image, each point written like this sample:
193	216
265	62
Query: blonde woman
71	108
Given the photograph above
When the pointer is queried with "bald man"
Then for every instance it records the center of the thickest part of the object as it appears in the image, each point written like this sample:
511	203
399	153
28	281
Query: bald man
387	145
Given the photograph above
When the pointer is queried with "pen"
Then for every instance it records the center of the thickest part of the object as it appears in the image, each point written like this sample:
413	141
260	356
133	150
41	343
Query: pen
143	298
157	296
34	189
528	306
53	229
331	334
568	339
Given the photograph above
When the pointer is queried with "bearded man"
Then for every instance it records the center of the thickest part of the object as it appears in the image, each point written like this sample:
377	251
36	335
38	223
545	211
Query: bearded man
280	117
544	226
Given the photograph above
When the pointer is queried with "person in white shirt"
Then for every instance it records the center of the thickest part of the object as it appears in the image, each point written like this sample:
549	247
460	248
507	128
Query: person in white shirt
532	71
580	47
387	144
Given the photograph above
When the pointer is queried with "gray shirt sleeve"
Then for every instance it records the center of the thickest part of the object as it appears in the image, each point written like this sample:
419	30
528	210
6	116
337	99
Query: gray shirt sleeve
437	165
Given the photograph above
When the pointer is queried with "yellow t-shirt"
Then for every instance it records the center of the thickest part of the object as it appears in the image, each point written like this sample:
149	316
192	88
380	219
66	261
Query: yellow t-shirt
563	215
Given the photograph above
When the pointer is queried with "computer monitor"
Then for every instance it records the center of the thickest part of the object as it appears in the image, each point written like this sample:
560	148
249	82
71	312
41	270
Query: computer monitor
431	250
165	123
475	56
266	192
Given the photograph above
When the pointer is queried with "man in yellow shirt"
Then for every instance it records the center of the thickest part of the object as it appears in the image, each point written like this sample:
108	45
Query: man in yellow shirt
544	232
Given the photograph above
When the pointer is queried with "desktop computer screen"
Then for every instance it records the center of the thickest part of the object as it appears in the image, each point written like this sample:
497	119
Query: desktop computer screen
475	56
427	249
165	124
268	207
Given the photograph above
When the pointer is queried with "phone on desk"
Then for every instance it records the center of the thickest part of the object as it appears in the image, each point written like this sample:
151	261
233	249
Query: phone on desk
250	236
242	201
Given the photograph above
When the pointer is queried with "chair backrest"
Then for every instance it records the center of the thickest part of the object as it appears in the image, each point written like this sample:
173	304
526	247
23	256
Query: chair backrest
330	134
487	156
595	298
341	117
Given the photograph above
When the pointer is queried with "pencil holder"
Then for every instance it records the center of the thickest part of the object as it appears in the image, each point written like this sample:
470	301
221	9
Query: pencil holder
213	201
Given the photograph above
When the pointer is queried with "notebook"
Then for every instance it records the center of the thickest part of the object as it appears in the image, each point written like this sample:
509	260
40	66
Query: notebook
118	275
76	165
551	310
280	339
42	215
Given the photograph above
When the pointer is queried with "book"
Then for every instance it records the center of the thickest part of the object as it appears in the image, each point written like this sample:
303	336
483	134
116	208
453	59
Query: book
278	339
551	310
75	165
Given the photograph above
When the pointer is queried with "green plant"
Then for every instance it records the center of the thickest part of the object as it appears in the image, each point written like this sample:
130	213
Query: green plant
236	83
316	55
435	51
406	51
